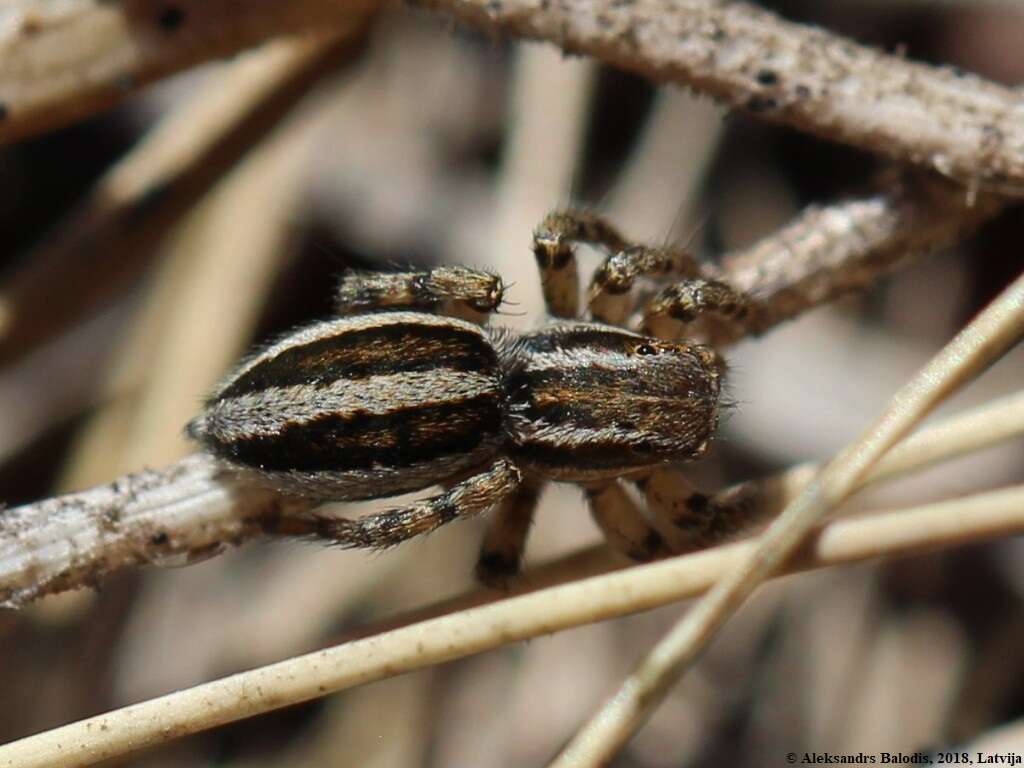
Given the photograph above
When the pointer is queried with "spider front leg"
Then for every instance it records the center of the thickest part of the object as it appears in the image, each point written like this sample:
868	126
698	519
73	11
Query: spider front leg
469	498
623	523
553	247
690	300
459	291
505	540
609	295
695	519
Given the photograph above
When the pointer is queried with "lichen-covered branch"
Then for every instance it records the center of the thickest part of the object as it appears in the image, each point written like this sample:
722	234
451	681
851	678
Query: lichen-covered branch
62	61
959	124
176	515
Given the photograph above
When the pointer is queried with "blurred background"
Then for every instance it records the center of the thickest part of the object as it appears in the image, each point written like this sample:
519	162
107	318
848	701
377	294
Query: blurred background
428	144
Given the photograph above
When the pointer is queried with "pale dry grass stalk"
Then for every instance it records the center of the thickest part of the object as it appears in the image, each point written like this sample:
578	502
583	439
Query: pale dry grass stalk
106	239
472	631
214	277
982	342
549	105
63	61
961	125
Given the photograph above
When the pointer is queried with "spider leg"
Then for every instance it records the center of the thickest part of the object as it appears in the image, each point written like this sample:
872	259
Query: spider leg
471	497
460	291
505	540
609	296
623	523
691	300
696	520
553	246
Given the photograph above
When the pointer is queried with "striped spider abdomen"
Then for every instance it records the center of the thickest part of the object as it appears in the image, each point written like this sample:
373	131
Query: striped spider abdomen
361	407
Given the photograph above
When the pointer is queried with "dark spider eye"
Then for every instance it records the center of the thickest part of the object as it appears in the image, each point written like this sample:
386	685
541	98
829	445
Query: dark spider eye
646	349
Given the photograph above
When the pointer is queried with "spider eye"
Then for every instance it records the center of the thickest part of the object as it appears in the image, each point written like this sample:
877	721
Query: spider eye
646	349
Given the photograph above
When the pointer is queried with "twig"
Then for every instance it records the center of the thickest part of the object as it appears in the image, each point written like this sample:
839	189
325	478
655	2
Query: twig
831	250
472	631
177	515
103	243
997	328
62	61
959	124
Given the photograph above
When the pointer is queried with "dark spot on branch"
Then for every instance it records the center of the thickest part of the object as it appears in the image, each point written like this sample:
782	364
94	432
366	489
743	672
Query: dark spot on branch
768	77
159	539
803	92
171	18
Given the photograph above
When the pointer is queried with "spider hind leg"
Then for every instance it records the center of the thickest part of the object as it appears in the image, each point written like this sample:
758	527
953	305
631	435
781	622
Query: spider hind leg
468	498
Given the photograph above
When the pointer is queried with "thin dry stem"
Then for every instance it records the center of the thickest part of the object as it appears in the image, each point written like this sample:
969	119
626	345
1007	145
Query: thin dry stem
997	328
104	242
479	629
550	102
958	124
62	61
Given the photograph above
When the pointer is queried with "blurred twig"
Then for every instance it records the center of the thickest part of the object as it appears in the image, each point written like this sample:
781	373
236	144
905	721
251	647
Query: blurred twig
213	278
507	621
62	61
830	250
106	240
956	123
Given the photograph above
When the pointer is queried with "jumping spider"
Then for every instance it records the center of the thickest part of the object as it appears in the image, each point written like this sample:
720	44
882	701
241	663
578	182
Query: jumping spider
397	395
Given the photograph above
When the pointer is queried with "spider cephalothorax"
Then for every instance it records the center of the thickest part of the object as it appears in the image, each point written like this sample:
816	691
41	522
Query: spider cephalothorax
391	401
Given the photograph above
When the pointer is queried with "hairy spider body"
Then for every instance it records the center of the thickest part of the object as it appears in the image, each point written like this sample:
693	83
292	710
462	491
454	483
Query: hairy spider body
383	402
362	407
376	405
